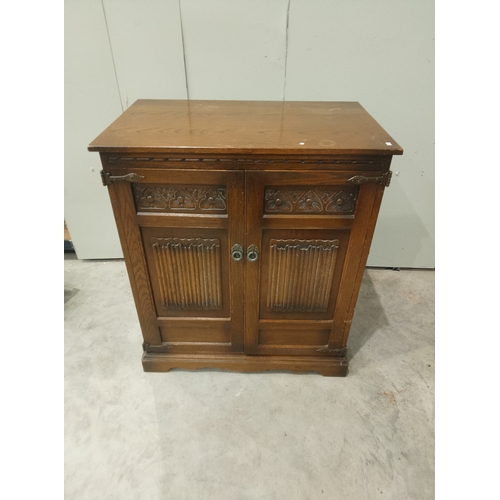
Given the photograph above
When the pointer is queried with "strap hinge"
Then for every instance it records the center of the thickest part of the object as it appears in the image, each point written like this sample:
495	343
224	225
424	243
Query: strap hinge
384	179
107	178
341	351
155	348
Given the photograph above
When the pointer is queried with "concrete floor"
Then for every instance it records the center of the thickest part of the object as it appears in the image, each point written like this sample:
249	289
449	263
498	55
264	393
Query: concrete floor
217	435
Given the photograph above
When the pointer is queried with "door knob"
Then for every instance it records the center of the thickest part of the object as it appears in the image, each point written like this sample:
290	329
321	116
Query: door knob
237	252
252	253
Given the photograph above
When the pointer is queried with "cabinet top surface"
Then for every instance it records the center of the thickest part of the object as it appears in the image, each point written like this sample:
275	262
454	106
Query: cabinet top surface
239	127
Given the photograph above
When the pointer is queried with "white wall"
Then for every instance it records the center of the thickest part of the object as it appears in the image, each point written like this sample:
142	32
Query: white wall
377	52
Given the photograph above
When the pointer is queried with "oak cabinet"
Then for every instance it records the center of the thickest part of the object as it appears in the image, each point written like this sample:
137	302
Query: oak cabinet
245	227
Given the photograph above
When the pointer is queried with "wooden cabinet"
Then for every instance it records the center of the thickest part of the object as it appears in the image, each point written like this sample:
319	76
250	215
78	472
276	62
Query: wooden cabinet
245	227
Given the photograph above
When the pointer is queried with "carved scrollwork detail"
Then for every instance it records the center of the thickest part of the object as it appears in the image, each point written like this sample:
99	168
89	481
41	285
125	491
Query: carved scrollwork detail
317	200
277	201
152	198
184	199
213	199
310	202
180	198
342	201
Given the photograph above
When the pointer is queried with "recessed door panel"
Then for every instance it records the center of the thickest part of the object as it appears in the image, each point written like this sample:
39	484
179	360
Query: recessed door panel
300	272
190	273
189	270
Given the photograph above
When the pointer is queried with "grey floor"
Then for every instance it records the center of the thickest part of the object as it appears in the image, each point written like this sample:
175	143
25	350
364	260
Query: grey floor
218	435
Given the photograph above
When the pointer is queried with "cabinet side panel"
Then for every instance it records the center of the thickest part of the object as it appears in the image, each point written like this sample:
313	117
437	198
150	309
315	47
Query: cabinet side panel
357	256
130	238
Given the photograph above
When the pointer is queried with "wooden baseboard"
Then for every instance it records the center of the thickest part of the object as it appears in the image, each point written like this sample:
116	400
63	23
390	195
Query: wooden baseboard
327	366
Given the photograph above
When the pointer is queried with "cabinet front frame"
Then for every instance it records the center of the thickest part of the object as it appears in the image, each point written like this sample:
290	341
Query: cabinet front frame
248	203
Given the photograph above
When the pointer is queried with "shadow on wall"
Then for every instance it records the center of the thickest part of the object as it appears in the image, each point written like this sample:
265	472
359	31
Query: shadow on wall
405	231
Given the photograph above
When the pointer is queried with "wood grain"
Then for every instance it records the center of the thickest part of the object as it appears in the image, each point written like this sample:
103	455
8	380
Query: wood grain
189	272
210	175
226	159
370	229
133	251
246	127
329	367
357	254
301	274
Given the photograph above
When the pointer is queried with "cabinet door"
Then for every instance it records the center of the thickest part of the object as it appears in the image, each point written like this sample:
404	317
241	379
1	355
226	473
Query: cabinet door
312	232
188	221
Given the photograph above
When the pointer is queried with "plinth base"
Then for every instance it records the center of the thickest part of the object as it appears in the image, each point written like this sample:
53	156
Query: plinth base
327	366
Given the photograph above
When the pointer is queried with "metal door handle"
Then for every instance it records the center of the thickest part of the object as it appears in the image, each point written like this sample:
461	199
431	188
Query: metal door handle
237	252
252	253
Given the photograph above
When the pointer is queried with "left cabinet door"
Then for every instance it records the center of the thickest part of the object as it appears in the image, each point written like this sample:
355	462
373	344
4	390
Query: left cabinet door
178	229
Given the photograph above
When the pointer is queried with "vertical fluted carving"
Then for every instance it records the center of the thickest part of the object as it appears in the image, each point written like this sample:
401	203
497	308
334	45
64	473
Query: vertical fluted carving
189	272
301	275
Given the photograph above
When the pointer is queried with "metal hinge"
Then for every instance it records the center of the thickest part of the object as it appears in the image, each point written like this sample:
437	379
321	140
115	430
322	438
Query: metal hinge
155	348
342	351
384	179
107	178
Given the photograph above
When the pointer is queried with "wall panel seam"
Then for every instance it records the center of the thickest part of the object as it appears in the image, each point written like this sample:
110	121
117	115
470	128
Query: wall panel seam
286	46
183	51
112	55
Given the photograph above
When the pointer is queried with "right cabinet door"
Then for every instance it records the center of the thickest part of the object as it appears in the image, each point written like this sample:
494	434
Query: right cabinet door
308	235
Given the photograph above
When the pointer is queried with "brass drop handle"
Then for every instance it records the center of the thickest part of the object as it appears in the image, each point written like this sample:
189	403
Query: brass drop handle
237	252
252	253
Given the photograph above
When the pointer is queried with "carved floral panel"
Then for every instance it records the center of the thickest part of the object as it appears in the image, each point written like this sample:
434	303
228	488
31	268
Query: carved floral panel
319	200
180	198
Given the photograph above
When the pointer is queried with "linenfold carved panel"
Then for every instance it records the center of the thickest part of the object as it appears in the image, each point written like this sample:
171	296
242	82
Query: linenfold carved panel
180	198
300	275
319	200
189	272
